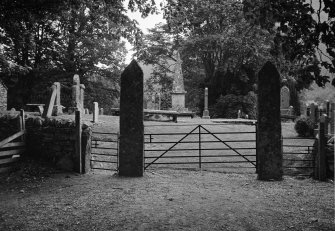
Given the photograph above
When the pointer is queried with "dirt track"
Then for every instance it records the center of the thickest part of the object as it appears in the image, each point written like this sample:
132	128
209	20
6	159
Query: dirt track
165	200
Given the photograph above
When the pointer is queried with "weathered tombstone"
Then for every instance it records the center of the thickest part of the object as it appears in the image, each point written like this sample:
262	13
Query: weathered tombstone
95	112
101	112
290	108
77	95
58	108
50	102
284	97
131	147
87	111
269	147
81	96
303	109
239	114
205	114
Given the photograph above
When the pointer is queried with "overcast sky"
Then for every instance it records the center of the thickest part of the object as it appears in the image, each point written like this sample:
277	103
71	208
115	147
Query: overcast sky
144	24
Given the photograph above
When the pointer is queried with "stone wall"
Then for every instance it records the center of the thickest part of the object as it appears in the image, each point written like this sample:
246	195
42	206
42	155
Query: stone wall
51	140
9	124
3	97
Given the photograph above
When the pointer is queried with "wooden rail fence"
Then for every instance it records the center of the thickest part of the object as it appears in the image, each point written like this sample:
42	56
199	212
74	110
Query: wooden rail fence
13	147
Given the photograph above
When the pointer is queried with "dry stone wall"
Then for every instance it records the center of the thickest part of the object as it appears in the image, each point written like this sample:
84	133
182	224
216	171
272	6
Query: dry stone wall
51	140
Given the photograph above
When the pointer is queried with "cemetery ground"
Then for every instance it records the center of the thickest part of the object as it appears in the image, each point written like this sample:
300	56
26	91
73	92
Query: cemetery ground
40	198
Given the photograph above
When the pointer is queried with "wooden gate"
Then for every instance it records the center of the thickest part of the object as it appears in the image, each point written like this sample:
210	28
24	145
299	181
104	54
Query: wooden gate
13	147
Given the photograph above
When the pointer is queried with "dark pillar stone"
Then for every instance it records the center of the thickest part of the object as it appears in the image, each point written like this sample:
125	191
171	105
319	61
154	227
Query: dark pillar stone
131	158
269	146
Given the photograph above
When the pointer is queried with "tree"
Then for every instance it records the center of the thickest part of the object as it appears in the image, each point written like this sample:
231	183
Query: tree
215	41
299	32
52	40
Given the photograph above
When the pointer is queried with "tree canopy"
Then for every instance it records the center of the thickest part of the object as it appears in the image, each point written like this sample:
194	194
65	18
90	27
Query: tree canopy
41	38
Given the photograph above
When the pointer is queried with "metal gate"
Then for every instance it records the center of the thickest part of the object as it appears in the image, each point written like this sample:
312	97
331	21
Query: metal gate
104	151
202	147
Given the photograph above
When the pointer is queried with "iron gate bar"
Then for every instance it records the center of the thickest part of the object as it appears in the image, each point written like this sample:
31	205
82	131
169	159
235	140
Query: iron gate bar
104	161
228	146
106	133
195	142
103	154
209	156
170	148
298	146
207	162
295	153
196	149
180	133
299	160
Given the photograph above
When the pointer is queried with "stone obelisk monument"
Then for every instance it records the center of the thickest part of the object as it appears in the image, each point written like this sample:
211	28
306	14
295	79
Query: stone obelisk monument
178	92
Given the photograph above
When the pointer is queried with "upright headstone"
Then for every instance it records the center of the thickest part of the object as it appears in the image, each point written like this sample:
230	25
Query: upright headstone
50	102
131	146
58	108
101	111
77	95
284	97
81	96
269	146
205	114
95	112
87	111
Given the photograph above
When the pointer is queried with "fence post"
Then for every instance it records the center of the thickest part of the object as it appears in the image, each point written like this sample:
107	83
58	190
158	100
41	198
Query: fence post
199	146
321	170
78	142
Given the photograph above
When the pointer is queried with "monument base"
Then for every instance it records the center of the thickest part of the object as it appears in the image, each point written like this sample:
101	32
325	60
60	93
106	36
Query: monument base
178	101
205	114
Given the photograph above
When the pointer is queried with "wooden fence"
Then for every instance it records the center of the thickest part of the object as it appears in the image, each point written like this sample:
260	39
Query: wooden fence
13	147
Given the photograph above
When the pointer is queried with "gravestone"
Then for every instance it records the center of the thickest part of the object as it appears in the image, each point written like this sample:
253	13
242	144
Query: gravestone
77	102
178	91
95	112
58	108
284	97
269	146
131	146
101	111
205	114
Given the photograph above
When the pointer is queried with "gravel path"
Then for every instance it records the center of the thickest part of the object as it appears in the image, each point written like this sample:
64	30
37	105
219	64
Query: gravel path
166	200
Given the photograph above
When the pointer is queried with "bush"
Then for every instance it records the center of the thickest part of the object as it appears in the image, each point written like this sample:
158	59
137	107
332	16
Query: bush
304	127
227	106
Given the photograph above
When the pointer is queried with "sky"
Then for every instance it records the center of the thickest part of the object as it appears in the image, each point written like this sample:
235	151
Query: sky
144	24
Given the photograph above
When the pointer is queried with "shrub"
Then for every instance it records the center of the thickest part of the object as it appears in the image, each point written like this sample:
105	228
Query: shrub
227	106
304	127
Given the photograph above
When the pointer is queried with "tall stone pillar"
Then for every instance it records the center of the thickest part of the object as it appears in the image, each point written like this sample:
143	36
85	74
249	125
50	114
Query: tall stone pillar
269	143
95	112
205	114
131	147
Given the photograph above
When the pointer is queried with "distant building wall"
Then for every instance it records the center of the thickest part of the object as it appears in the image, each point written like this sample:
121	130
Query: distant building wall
3	96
